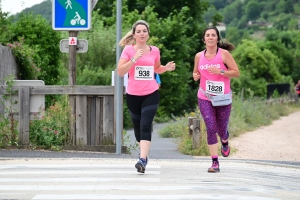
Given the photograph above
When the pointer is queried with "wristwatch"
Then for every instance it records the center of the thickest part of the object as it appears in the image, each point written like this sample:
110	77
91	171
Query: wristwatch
133	60
222	72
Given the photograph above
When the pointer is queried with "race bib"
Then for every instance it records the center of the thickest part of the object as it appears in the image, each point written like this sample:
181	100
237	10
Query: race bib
144	73
214	87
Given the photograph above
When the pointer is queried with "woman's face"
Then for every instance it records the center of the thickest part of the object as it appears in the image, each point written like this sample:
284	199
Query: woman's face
211	37
141	34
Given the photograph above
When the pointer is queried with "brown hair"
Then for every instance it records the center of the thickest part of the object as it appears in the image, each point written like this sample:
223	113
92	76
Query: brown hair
224	45
128	38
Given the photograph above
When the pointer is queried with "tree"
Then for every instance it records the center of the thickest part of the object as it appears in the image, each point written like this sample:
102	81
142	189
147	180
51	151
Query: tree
3	21
233	11
94	67
258	66
282	23
42	39
285	45
253	10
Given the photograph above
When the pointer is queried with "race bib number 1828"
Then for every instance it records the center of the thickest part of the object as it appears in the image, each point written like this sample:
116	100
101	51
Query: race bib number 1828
214	87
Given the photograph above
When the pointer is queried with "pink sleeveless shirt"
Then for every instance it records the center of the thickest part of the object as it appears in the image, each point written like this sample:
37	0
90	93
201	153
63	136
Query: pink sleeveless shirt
141	87
214	84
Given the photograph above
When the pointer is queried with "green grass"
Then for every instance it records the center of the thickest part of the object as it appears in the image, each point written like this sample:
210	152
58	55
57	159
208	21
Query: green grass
246	115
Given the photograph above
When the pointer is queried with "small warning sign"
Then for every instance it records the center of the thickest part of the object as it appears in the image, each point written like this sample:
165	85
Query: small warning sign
72	40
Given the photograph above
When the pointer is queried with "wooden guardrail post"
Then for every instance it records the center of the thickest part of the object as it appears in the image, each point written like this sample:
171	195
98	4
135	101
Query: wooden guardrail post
194	130
24	115
196	133
190	124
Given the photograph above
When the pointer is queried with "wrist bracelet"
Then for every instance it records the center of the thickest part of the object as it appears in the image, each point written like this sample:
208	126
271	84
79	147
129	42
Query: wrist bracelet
133	60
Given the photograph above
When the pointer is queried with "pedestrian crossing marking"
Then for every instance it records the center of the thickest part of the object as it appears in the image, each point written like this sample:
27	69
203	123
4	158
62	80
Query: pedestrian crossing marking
152	197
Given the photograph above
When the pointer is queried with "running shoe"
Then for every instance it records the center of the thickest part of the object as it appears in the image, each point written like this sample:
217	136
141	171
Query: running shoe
147	159
225	150
141	165
215	167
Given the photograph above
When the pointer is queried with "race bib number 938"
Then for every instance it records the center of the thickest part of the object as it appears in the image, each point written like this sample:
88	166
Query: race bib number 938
144	73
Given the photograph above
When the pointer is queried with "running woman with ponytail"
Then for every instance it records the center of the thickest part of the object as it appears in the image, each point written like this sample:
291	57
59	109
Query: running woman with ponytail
214	67
141	61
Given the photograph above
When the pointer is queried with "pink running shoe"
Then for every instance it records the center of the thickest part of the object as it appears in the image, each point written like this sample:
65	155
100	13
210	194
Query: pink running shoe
225	150
215	167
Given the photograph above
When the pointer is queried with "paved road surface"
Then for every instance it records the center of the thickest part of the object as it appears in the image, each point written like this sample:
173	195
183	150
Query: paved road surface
169	175
78	178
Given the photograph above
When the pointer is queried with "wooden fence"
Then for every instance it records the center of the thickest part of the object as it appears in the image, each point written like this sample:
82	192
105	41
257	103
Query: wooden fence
94	120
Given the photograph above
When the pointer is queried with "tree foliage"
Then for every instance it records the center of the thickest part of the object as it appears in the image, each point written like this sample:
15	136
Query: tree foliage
94	67
42	39
285	45
253	10
258	66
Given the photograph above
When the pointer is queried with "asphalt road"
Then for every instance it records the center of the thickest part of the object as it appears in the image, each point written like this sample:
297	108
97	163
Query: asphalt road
31	174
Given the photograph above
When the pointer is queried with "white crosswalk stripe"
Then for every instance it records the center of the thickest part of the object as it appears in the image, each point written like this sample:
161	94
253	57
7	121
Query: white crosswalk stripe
118	179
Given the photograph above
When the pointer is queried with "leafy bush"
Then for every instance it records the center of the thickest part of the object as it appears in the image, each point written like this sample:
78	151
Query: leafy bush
8	124
42	47
52	131
25	56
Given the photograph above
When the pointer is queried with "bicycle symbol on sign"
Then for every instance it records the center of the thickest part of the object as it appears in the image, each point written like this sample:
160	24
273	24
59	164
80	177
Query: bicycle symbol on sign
77	20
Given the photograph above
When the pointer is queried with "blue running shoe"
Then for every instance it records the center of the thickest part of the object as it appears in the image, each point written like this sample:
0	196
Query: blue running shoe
141	165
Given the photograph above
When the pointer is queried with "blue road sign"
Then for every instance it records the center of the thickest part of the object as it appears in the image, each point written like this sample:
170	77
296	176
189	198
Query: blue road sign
69	15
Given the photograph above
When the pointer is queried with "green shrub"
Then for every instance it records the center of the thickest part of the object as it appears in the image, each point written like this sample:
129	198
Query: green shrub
52	131
8	124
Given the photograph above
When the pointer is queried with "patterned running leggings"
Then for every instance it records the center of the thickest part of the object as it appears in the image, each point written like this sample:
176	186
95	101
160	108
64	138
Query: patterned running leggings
216	119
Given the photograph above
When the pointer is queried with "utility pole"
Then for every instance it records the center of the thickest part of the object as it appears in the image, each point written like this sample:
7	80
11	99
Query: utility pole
118	84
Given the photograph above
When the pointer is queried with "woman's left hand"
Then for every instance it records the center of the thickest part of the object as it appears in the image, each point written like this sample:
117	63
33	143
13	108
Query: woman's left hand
170	66
214	70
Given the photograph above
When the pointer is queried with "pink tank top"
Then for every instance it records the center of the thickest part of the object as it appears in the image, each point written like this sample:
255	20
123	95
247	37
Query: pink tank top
138	84
214	84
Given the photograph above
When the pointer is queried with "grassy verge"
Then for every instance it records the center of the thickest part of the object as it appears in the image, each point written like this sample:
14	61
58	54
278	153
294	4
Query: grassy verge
246	115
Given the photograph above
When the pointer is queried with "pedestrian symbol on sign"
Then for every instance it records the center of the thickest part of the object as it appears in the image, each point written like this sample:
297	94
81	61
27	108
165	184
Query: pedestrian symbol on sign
69	4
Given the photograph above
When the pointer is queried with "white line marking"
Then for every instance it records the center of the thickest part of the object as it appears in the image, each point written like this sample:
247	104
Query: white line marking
154	197
17	166
100	187
76	172
5	180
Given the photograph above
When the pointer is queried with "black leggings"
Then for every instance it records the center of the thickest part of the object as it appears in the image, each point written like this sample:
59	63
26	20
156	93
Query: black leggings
142	110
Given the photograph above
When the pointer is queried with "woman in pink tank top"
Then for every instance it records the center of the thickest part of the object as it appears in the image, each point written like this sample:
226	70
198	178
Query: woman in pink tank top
214	67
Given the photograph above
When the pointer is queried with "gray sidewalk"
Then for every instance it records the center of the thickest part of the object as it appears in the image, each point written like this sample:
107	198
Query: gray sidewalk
161	148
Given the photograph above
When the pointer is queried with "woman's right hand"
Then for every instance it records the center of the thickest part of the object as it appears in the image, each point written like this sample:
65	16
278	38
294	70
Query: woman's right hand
139	53
196	76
